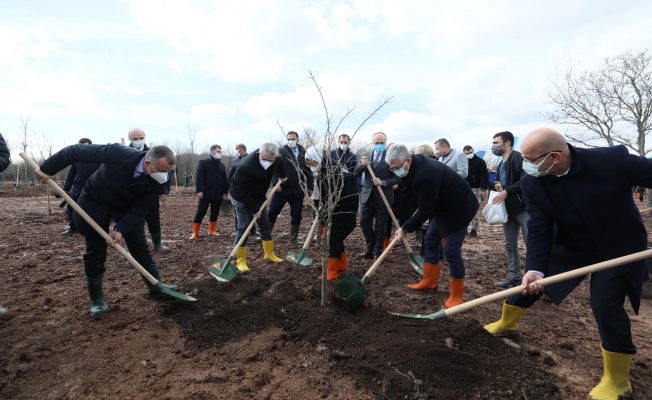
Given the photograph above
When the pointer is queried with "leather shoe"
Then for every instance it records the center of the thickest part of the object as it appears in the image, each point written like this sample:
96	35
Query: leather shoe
68	232
474	233
367	254
376	257
507	284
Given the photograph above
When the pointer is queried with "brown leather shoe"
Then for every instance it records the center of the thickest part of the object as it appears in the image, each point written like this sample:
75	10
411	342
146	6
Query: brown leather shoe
367	254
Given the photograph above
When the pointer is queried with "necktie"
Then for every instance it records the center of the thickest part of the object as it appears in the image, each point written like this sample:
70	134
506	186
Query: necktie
376	159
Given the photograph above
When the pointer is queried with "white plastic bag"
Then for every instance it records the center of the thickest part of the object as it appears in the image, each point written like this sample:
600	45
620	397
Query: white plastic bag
495	214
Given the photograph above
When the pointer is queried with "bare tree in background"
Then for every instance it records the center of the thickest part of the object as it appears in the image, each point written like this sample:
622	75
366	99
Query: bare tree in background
24	139
192	134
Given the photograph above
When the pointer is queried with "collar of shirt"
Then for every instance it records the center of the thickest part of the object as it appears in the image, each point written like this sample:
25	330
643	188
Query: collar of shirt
139	168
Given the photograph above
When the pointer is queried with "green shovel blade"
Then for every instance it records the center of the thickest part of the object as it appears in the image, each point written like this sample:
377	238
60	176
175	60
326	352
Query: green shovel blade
299	258
416	262
170	292
441	314
352	290
222	270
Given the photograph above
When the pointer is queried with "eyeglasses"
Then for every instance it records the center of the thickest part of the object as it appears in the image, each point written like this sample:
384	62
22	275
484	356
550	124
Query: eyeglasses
531	160
397	168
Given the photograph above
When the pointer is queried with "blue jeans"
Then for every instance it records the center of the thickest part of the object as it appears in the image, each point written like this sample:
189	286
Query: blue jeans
510	230
452	249
244	219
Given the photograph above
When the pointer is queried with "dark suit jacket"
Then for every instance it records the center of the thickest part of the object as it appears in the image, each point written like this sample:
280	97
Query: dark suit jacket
598	222
346	158
382	172
77	176
4	154
297	172
442	193
113	185
211	180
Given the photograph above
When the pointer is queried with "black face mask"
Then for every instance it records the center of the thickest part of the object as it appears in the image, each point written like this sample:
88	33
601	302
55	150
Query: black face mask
497	150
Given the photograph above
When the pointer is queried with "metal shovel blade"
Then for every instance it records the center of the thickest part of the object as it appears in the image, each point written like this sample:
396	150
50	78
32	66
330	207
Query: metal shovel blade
416	262
441	314
223	270
172	293
299	258
352	291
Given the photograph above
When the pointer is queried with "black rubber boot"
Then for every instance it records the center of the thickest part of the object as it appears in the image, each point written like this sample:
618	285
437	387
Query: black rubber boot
294	235
96	295
156	241
153	270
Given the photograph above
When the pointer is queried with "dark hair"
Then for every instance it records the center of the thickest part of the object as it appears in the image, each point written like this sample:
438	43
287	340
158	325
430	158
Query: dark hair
344	135
443	142
216	146
157	152
85	140
467	148
506	136
241	146
293	133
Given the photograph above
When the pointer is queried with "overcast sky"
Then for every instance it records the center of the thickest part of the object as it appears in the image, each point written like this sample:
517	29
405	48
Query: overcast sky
462	70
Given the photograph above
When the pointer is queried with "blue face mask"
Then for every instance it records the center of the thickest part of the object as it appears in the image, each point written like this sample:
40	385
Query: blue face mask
379	148
533	169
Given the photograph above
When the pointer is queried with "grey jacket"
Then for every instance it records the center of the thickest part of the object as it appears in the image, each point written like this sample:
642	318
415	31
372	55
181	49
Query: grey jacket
458	162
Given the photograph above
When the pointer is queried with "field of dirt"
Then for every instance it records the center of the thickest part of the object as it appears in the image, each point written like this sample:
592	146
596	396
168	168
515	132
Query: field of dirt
264	335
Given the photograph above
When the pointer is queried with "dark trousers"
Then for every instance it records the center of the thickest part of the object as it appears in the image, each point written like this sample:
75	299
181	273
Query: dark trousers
153	219
202	207
69	209
608	290
95	254
244	219
277	203
452	250
374	235
343	223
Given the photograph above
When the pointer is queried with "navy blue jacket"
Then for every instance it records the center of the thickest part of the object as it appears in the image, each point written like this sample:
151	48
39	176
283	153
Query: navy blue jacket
4	154
77	176
347	158
234	167
587	216
297	171
513	170
442	193
251	181
210	179
114	184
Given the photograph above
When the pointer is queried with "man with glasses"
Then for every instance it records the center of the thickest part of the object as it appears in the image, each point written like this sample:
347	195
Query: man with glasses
508	177
581	213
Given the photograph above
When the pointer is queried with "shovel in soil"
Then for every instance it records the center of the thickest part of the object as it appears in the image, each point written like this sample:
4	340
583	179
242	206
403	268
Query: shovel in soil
223	270
616	262
416	261
352	290
106	236
300	258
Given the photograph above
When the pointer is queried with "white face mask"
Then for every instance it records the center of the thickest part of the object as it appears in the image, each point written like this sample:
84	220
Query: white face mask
469	156
216	156
343	147
266	164
292	144
138	144
160	177
314	169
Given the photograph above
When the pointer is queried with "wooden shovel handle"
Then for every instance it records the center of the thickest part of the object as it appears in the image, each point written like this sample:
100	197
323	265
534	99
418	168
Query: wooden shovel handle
389	209
380	259
312	230
645	209
92	222
642	255
253	220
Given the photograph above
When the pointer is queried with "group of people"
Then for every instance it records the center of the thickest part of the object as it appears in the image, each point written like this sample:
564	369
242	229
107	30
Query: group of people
573	206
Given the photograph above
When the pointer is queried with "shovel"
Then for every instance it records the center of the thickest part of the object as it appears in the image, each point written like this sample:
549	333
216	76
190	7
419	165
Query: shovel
416	261
299	258
223	270
445	313
352	290
106	236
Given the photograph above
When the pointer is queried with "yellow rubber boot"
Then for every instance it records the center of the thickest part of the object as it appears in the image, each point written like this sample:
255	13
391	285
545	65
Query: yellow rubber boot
457	293
268	246
615	380
430	277
212	229
508	322
195	231
241	259
343	266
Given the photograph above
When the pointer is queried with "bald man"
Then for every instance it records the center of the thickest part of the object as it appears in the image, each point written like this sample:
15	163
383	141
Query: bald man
582	212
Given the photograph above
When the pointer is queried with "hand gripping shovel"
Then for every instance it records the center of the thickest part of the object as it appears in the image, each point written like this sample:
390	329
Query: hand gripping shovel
223	270
352	290
106	236
299	258
445	313
416	261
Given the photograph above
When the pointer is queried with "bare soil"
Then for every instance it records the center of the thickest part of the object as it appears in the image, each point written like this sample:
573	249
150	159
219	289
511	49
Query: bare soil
265	335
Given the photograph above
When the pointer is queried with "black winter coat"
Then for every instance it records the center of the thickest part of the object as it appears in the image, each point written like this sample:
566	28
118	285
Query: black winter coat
77	176
4	154
210	179
297	172
251	181
513	170
478	176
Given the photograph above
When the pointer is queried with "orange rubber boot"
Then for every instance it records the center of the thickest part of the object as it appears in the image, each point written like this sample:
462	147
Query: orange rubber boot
212	229
457	293
430	277
343	266
195	231
333	269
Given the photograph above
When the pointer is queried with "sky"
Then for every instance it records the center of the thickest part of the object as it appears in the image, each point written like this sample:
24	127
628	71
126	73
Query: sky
232	72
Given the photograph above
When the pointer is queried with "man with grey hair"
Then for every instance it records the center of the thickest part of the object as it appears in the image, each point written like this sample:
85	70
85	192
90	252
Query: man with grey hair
125	188
450	157
248	192
446	200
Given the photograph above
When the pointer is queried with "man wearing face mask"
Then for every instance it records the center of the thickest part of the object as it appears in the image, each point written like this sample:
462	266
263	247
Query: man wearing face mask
153	218
241	151
581	213
211	186
446	200
508	177
248	192
372	204
125	188
478	179
450	157
343	154
299	177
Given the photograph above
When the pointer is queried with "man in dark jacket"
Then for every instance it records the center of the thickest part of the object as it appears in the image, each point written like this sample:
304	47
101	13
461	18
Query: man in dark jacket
508	177
241	149
153	218
77	176
478	179
343	153
373	205
248	192
211	186
299	177
5	160
581	213
447	201
125	188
